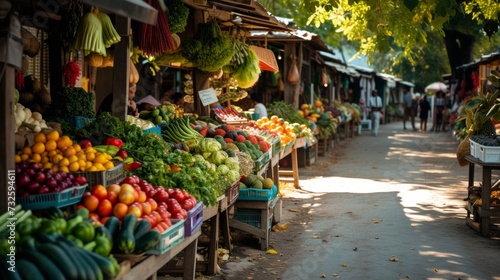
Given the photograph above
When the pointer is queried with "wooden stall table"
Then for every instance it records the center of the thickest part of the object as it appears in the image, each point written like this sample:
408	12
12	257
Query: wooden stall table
213	214
485	212
273	169
149	266
299	143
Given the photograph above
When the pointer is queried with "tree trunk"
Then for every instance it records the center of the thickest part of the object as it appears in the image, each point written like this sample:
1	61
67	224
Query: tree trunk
459	47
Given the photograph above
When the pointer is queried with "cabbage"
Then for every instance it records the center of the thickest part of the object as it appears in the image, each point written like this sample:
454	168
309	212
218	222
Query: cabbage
222	169
209	145
233	163
218	157
233	175
206	155
199	158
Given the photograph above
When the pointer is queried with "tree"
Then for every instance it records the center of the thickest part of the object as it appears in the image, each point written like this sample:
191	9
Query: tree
388	25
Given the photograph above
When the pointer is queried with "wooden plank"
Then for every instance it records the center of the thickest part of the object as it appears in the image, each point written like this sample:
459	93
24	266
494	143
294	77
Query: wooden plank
214	244
121	61
247	228
7	152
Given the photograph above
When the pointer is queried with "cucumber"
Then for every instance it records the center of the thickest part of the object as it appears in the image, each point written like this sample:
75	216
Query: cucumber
126	241
147	241
142	227
145	115
28	270
106	265
96	273
60	258
113	226
48	268
4	267
83	270
163	115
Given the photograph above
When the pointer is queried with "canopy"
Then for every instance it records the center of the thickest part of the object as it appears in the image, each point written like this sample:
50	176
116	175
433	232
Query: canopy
135	9
267	60
436	86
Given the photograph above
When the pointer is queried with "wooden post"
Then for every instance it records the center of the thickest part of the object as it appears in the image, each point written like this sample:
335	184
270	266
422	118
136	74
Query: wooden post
122	65
7	129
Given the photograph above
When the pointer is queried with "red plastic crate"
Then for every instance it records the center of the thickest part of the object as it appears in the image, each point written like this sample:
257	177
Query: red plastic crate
233	192
194	219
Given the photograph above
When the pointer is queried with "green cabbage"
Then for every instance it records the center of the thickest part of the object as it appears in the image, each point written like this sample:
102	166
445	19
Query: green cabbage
233	175
218	157
209	145
222	169
233	163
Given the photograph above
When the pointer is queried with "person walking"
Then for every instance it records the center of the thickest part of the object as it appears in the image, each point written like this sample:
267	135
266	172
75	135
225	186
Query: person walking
424	108
375	105
439	106
408	110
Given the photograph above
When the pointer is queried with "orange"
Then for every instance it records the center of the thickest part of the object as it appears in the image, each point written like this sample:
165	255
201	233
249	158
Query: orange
36	158
109	165
105	208
100	158
99	166
82	163
100	192
64	162
18	158
90	156
88	164
115	188
126	197
47	165
77	147
27	151
64	169
64	142
50	146
90	202
53	135
72	159
56	158
74	167
25	157
69	151
120	210
92	169
82	157
40	138
45	159
90	150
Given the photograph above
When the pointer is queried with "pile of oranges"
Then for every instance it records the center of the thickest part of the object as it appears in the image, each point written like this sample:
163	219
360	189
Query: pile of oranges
59	153
286	131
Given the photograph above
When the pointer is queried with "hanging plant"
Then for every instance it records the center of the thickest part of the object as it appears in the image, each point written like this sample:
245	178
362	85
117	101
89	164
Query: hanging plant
177	14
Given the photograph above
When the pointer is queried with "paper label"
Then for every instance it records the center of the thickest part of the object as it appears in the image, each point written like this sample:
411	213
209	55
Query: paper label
207	96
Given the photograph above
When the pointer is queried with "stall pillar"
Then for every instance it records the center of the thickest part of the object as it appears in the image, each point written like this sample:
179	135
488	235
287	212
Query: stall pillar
7	142
122	65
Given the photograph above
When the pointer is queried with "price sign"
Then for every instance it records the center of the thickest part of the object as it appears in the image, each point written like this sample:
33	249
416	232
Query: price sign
207	96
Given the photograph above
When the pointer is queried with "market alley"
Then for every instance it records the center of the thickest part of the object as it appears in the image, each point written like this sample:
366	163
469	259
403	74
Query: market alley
386	207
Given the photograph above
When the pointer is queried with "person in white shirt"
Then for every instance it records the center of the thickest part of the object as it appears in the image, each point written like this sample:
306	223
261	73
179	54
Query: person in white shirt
259	107
375	106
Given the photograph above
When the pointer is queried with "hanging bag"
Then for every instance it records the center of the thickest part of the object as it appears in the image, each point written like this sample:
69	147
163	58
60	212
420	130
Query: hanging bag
293	73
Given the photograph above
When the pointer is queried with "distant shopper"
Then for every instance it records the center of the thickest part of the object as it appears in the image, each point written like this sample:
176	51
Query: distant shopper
439	106
375	106
259	107
424	108
408	110
107	103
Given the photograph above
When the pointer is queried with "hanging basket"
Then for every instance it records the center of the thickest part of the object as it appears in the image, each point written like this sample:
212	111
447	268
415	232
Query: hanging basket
267	60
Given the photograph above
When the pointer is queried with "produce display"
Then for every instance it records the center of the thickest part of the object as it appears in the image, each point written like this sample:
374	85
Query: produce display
256	182
228	114
26	120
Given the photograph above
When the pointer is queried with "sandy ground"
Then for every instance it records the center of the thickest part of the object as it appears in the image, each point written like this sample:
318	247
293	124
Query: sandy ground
386	207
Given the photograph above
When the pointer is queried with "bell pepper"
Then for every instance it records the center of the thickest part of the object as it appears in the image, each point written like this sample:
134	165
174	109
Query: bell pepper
78	242
84	231
61	225
114	141
85	143
74	222
102	246
108	149
122	153
49	226
132	166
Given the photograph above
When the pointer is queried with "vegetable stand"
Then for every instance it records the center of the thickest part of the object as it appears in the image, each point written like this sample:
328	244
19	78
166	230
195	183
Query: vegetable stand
482	215
284	175
150	265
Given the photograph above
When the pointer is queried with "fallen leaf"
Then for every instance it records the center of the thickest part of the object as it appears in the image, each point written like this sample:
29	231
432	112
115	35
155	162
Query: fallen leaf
335	275
436	270
375	221
338	235
271	252
280	227
355	249
322	276
344	265
393	259
295	210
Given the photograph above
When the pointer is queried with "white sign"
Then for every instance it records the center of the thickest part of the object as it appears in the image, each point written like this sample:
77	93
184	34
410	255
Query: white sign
207	96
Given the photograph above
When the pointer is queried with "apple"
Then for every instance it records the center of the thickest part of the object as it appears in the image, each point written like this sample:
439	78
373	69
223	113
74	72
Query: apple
43	190
51	183
135	210
85	143
154	219
150	193
30	172
81	180
112	197
137	204
146	208
23	180
33	187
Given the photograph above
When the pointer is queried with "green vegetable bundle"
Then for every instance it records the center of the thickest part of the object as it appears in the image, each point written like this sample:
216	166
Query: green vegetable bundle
287	112
210	49
72	101
177	14
248	72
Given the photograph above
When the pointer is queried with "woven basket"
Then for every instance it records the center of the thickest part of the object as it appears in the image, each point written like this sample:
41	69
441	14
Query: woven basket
267	60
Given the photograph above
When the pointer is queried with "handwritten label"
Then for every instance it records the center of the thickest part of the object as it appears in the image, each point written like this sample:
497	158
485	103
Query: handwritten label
207	96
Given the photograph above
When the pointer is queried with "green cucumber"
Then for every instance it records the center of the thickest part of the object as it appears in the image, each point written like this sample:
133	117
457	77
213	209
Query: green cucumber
83	270
106	265
5	266
142	227
95	270
28	270
113	226
60	258
48	268
126	240
147	241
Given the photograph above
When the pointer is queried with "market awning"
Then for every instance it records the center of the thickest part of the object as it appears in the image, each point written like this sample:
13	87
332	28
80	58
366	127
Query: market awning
137	10
267	60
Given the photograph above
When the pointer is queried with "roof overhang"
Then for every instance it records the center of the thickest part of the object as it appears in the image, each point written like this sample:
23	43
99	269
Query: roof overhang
137	10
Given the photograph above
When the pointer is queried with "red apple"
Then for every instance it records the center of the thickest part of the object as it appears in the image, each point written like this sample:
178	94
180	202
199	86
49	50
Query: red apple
112	197
135	210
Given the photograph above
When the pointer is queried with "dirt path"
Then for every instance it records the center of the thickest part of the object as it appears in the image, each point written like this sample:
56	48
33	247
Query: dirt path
386	207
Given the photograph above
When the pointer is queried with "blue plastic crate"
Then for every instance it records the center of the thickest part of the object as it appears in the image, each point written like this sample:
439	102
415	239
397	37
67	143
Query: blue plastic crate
251	217
154	130
257	194
60	199
79	121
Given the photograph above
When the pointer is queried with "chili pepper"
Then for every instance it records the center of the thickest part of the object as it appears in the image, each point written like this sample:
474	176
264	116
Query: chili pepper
132	166
114	141
108	149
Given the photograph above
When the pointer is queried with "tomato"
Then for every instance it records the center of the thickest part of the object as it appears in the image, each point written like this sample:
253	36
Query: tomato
184	213
159	228
187	204
178	195
91	202
164	225
168	222
153	204
129	180
173	206
120	210
161	196
165	215
105	208
112	197
146	208
100	192
156	216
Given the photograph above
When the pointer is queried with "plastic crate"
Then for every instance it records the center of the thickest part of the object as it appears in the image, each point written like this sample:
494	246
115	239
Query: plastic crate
153	130
276	146
106	177
252	217
79	121
194	219
169	238
261	162
233	192
257	194
474	149
43	201
284	150
489	153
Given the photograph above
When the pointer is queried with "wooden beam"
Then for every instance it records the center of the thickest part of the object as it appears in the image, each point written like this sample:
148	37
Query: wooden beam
122	67
7	139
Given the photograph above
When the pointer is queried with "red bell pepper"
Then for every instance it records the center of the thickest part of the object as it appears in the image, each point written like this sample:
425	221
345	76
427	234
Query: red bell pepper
122	153
114	141
132	166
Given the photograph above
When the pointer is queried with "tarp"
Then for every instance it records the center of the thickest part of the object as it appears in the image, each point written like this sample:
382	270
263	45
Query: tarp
137	10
